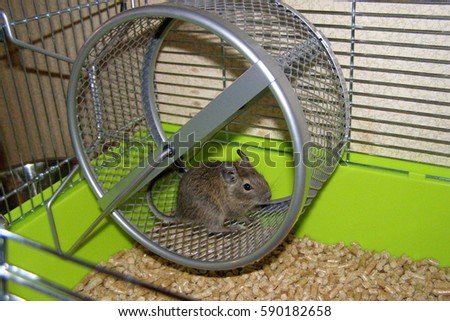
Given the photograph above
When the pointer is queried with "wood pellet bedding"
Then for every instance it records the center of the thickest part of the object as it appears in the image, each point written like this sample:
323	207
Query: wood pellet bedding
299	269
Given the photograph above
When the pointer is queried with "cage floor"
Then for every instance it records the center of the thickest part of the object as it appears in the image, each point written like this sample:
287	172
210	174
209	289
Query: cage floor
381	210
300	269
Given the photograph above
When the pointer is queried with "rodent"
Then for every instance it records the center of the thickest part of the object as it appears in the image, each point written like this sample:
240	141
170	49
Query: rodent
216	191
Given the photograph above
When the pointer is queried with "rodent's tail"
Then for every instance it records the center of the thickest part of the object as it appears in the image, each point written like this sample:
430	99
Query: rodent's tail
163	217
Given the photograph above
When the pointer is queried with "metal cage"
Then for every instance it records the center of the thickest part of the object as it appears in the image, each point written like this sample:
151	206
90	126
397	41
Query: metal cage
405	120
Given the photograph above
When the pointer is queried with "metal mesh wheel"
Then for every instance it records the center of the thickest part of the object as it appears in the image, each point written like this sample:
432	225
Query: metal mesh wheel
162	83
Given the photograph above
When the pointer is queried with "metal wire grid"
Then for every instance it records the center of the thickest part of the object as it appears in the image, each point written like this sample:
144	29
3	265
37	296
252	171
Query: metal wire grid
193	67
116	127
109	78
194	241
38	42
312	72
115	132
396	64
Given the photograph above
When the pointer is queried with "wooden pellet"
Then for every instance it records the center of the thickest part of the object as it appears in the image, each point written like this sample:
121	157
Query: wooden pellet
314	291
364	277
345	265
333	292
441	291
355	283
415	275
370	267
94	282
300	269
432	262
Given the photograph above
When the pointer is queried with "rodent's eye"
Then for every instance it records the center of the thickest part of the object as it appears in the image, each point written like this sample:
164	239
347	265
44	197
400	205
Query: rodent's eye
248	187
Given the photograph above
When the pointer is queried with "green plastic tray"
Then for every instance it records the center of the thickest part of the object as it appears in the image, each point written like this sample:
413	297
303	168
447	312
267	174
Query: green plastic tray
382	210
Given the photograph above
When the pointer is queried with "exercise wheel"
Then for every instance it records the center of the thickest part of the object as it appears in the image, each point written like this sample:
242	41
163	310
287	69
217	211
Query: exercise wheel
160	86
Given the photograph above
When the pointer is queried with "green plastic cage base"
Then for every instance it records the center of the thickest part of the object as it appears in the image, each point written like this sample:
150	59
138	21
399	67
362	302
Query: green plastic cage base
403	214
74	211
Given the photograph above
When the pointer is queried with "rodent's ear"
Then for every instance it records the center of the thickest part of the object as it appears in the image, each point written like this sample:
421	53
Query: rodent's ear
243	156
229	173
